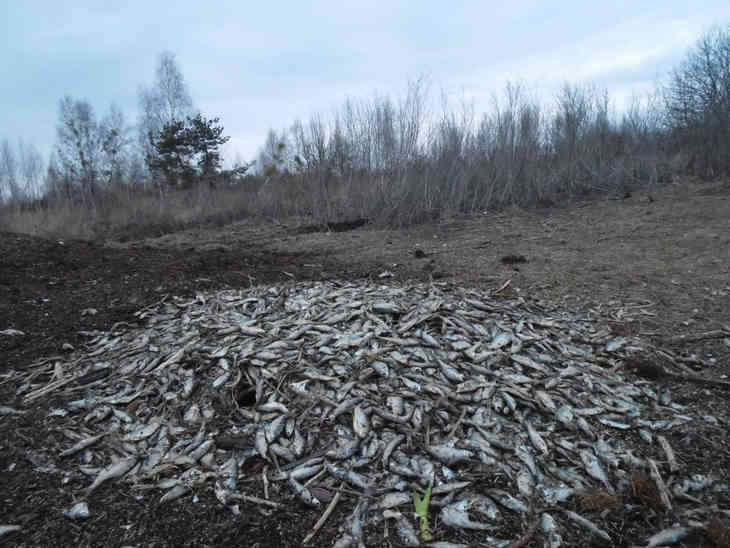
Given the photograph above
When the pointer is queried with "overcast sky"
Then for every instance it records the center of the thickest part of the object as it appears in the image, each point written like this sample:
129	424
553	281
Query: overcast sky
259	64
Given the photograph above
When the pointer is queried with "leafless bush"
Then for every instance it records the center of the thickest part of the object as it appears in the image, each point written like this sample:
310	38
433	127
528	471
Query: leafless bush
697	105
398	163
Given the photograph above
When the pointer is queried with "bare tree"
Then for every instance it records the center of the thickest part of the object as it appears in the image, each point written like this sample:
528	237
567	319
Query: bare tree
31	169
9	186
78	144
697	99
115	146
21	172
167	101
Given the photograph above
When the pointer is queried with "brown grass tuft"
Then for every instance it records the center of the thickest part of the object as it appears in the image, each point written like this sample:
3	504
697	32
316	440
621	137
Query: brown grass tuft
644	490
598	501
719	533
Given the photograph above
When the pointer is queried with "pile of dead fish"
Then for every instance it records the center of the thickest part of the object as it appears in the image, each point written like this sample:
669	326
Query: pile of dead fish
373	392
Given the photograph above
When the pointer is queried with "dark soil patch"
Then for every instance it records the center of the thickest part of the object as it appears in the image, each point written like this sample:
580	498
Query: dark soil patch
342	226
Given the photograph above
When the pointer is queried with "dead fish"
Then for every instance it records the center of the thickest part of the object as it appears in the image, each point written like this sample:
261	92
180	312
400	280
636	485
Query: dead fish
587	524
80	510
525	483
457	515
350	476
360	422
344	450
605	453
111	472
449	455
188	387
345	541
344	406
298	443
380	368
175	493
451	373
274	429
98	414
261	444
564	415
421	382
500	340
303	493
304	472
585	427
403	528
594	468
614	424
545	400
667	537
669	452
5	529
221	380
508	501
143	432
615	344
192	414
547	525
274	406
391	500
83	444
229	470
201	450
536	439
390	447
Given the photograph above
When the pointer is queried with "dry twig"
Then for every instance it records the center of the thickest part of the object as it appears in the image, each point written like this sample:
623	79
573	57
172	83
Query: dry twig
323	518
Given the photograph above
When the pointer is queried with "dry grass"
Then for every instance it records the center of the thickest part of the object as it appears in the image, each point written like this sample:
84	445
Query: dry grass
644	490
598	501
122	213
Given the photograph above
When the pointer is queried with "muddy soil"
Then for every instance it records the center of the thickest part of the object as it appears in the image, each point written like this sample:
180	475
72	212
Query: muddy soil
655	265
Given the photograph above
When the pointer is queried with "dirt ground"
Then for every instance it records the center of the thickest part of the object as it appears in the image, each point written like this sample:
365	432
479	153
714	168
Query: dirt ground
657	265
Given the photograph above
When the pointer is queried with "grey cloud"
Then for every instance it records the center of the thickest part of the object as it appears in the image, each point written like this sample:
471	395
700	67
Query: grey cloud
260	65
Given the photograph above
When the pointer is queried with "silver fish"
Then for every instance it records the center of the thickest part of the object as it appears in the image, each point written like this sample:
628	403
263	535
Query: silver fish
390	447
274	429
111	472
303	493
668	537
360	422
404	528
262	445
274	406
449	455
457	515
143	432
594	468
587	524
344	450
175	493
5	529
536	439
80	510
83	444
508	501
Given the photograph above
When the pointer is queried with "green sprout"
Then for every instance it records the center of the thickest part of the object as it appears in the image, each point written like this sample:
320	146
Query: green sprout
421	505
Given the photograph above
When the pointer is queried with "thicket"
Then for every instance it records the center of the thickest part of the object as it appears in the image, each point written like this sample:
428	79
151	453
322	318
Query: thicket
397	162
